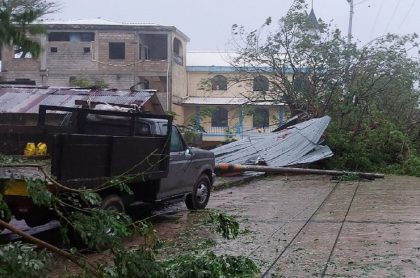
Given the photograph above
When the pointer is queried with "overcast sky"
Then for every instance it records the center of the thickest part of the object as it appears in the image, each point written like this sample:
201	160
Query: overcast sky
208	22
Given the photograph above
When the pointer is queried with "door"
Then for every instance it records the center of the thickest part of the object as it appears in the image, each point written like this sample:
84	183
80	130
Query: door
179	162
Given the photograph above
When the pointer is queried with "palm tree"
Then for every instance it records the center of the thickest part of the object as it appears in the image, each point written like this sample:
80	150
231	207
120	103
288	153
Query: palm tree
16	28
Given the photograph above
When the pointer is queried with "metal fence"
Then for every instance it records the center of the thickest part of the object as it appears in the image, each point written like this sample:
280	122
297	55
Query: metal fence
235	132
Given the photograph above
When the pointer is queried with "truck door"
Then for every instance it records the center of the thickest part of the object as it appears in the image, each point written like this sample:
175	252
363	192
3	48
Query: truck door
179	163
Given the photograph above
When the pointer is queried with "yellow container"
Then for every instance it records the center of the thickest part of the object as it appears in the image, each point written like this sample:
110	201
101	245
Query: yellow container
41	149
30	149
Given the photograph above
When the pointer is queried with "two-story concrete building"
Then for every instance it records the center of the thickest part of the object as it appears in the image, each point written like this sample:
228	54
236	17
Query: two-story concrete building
120	55
221	102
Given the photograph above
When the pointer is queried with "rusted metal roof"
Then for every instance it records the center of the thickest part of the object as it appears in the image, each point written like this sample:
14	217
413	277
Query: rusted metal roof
28	99
298	144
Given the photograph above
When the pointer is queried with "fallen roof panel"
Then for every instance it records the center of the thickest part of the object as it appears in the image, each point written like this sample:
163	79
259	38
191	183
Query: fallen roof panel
297	144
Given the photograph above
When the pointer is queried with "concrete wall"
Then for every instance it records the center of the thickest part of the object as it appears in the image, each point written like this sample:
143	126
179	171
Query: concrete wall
199	85
178	81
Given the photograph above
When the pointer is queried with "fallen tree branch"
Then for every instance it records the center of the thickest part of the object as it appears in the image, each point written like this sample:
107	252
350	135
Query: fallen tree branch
49	247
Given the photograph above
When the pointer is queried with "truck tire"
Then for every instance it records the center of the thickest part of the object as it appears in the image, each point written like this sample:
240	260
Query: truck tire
199	198
113	202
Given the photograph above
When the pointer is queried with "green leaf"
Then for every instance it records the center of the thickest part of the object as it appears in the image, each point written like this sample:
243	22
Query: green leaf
38	192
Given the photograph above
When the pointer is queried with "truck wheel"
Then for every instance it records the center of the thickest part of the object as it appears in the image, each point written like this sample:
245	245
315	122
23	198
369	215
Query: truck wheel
199	198
113	202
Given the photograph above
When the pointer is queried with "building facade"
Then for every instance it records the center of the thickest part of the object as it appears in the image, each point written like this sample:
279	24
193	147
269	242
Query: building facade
120	55
221	103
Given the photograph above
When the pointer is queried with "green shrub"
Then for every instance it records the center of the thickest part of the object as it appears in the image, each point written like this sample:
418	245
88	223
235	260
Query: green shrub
375	146
31	263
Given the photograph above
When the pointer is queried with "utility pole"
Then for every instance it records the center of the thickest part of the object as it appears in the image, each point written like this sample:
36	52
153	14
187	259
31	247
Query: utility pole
349	37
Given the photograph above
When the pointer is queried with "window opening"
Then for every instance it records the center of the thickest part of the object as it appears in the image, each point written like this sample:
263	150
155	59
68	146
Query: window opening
260	118
260	83
219	82
117	50
219	117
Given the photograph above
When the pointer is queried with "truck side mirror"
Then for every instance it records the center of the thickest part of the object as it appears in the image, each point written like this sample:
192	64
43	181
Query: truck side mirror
188	153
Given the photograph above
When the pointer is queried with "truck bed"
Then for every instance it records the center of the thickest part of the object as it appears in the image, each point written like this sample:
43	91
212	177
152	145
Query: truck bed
88	147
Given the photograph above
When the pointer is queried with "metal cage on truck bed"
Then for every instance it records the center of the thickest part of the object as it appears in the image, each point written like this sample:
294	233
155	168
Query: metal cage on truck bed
89	147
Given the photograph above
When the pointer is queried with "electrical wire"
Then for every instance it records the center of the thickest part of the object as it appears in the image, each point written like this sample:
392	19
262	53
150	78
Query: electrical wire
376	19
407	13
392	16
361	2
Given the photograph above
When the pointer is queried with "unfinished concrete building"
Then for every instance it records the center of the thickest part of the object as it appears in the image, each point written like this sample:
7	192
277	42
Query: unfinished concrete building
119	55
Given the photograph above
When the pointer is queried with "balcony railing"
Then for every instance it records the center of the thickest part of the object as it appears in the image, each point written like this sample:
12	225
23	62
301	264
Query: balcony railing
235	132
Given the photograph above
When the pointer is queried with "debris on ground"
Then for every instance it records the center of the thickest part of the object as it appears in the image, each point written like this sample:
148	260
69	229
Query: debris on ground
297	144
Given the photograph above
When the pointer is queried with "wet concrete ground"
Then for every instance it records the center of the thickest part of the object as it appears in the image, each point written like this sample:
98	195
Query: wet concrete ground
310	226
313	227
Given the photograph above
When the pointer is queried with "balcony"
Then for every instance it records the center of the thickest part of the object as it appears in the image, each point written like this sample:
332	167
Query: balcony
223	133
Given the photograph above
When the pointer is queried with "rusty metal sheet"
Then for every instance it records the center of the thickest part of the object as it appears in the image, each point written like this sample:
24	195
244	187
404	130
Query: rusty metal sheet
297	144
27	100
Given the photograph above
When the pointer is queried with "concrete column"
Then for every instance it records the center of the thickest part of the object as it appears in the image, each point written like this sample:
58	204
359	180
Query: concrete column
43	54
240	129
197	116
281	115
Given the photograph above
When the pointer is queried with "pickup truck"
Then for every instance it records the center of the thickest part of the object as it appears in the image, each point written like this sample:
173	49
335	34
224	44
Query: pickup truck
91	147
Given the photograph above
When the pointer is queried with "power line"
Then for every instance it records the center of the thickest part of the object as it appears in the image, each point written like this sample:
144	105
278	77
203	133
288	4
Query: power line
376	19
361	2
407	14
392	16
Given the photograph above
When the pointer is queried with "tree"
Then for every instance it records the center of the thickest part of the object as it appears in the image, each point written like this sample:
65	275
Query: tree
311	67
314	70
16	29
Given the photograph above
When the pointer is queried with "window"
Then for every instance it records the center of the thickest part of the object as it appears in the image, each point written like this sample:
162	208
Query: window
143	52
153	46
117	50
260	83
219	117
260	118
178	52
53	49
86	50
219	82
71	36
177	47
176	142
301	83
142	129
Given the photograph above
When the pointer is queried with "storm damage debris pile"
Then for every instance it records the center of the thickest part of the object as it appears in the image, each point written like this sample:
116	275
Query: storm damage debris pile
298	144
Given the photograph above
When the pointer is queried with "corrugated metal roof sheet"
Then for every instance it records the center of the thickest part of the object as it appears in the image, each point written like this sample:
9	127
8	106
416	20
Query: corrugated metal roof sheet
27	100
225	101
297	144
95	21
